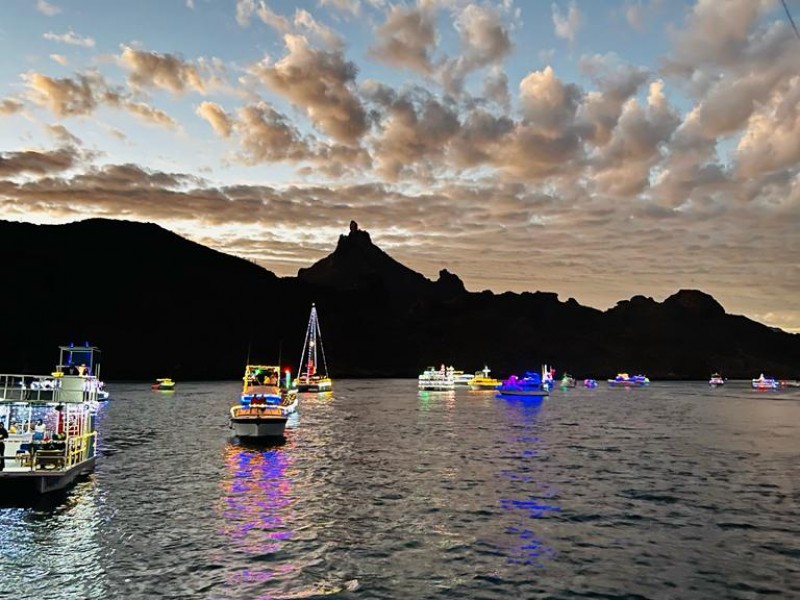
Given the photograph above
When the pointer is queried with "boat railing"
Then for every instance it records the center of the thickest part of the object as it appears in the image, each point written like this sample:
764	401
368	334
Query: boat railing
17	387
52	455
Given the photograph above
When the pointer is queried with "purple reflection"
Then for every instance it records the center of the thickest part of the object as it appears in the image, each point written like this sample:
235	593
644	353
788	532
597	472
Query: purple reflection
527	495
256	505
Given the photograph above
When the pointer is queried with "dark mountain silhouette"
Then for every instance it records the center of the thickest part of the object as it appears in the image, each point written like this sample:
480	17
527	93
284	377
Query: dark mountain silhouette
160	305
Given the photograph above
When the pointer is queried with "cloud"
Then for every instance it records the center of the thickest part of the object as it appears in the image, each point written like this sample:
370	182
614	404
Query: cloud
566	26
9	106
219	120
46	8
406	39
548	105
67	97
267	136
352	7
495	88
165	71
34	162
634	14
60	59
62	134
70	38
322	83
244	11
484	41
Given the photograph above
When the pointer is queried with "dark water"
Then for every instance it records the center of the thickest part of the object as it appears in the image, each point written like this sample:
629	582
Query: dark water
675	491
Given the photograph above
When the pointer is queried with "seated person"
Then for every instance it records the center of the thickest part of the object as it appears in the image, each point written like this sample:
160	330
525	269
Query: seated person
39	431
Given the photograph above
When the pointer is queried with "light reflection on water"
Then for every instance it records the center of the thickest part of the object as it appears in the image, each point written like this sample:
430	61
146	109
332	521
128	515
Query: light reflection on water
256	501
675	491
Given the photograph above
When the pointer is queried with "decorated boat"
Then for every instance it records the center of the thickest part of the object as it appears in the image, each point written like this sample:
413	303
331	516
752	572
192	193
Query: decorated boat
482	381
625	380
567	381
590	383
436	380
311	378
265	403
529	385
462	379
164	384
765	383
716	380
51	422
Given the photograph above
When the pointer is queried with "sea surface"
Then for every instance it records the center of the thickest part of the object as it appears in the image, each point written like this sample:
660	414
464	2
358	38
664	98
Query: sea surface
379	491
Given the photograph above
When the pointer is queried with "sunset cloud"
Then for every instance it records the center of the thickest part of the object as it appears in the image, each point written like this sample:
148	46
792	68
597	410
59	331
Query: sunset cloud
442	126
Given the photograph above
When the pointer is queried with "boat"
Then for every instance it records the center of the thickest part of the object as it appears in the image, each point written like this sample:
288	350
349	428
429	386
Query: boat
436	380
529	385
567	381
461	378
765	383
716	379
311	379
265	403
482	381
51	424
164	384
625	380
590	383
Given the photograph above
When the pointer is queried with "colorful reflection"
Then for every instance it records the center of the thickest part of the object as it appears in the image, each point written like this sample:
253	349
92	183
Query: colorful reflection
256	508
525	495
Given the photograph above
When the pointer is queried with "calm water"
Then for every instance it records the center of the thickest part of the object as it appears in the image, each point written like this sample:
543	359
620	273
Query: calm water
675	491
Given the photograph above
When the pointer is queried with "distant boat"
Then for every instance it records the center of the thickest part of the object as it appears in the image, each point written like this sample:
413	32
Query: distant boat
482	381
590	383
436	380
716	380
461	378
765	383
529	385
163	384
567	381
310	378
265	403
625	380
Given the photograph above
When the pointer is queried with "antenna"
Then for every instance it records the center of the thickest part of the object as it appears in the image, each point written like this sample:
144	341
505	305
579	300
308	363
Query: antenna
791	20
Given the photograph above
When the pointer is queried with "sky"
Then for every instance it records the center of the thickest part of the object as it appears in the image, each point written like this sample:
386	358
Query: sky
596	149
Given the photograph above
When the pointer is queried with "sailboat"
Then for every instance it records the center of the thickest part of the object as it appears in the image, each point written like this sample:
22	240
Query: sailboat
310	378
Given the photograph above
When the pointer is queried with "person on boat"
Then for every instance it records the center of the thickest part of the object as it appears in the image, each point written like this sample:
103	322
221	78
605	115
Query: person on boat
3	438
39	431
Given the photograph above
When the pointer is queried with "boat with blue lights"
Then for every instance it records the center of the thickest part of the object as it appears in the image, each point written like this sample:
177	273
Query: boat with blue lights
529	385
482	381
590	383
628	381
265	403
51	424
765	383
437	380
310	378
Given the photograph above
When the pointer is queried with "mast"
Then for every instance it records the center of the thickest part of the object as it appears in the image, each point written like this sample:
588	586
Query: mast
308	359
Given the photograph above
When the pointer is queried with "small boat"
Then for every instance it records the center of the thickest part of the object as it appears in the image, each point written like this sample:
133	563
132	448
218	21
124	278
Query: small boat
567	381
436	380
265	403
716	380
482	381
311	379
51	424
164	384
625	380
461	378
765	383
590	383
529	385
